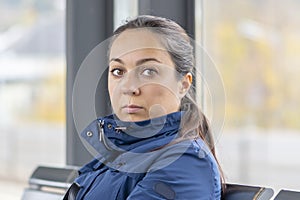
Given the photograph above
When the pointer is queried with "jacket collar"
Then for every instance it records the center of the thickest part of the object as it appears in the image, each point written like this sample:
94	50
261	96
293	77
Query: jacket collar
110	136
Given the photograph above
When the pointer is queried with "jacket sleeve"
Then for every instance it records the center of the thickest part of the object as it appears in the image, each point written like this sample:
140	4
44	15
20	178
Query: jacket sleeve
189	177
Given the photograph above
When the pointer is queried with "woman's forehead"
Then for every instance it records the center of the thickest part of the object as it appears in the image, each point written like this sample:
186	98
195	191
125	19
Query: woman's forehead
135	40
149	54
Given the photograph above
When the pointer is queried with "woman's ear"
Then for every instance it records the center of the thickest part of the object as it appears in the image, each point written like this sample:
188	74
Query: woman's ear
185	84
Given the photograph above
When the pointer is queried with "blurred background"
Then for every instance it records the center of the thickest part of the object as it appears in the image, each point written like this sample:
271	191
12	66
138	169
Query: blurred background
255	46
32	90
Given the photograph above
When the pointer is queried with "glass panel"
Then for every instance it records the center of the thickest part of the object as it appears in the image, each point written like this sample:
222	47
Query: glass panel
32	90
124	9
256	47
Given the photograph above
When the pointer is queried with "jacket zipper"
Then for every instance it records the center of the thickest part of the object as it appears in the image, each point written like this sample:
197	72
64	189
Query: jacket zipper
102	136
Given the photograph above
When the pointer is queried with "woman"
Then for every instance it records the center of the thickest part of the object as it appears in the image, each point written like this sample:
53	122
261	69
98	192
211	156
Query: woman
157	144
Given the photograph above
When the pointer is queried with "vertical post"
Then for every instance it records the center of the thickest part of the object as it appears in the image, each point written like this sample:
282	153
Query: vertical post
89	22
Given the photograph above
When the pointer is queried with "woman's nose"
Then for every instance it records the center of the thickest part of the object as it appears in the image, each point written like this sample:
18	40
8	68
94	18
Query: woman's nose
130	85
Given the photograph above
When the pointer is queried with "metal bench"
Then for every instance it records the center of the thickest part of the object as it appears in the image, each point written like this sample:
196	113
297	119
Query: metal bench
246	192
288	195
50	183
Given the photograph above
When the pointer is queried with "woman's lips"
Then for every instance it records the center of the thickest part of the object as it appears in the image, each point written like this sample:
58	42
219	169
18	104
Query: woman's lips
131	109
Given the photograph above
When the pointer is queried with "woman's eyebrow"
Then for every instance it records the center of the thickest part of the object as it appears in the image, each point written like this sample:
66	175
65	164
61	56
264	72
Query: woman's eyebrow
117	60
141	61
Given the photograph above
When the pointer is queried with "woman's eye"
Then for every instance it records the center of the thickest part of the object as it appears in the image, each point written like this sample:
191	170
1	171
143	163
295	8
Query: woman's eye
117	72
149	72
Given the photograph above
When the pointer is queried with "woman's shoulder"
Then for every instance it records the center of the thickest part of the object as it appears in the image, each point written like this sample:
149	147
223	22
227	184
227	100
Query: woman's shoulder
196	166
187	152
186	166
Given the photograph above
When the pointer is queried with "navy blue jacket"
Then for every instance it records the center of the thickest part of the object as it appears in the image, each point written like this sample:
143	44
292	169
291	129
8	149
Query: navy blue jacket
141	161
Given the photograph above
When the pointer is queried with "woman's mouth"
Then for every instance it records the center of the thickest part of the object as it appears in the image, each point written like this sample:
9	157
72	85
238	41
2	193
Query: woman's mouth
131	109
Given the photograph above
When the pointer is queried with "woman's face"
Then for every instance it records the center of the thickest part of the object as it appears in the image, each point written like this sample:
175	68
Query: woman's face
142	79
